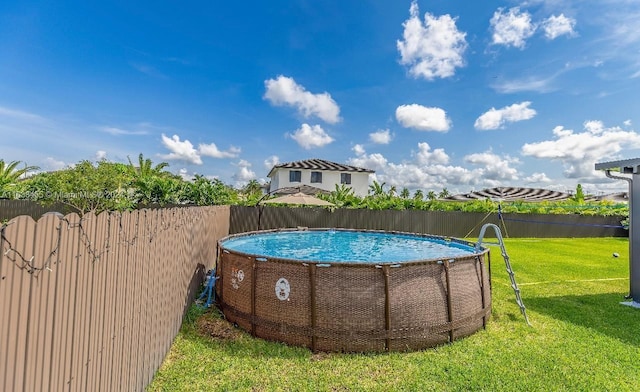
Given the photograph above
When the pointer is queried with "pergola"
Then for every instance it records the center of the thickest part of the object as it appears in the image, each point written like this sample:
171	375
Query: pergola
632	167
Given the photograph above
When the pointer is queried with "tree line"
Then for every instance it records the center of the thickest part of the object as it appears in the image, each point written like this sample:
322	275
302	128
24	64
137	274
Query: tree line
112	186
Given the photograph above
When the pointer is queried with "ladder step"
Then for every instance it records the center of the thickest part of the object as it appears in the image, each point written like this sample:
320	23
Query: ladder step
490	243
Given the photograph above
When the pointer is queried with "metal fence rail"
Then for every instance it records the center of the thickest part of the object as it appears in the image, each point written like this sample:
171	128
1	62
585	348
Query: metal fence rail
94	303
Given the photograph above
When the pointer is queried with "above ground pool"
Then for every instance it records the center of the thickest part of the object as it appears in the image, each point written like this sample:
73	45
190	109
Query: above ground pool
353	290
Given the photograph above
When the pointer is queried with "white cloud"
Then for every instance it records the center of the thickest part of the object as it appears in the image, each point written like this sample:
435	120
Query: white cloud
119	131
186	152
537	178
616	39
511	28
358	149
430	170
627	123
537	84
309	137
371	161
244	174
555	26
180	150
594	126
270	162
285	91
427	157
433	50
618	21
100	155
497	118
411	176
184	173
578	152
381	136
423	118
430	177
211	150
494	167
51	164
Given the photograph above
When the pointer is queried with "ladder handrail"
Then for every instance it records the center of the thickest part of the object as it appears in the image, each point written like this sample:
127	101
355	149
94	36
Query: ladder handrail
497	232
505	256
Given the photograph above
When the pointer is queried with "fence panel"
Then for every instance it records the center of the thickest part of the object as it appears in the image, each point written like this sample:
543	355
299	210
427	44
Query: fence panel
14	294
94	302
454	224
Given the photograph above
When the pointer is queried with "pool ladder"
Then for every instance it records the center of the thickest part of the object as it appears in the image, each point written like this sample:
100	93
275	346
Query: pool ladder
505	256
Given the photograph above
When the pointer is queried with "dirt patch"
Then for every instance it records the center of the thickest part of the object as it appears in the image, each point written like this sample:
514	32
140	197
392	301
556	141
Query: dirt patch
217	328
320	356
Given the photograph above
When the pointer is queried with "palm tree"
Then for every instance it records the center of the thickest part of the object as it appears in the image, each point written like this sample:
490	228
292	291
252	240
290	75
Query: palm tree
10	174
253	186
431	195
444	193
418	195
404	193
252	192
392	191
147	180
145	167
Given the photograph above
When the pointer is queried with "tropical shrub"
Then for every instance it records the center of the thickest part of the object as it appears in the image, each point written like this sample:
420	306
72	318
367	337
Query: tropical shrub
105	185
10	173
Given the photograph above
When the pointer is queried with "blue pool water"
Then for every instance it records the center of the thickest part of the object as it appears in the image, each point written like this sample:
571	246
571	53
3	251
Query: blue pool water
346	246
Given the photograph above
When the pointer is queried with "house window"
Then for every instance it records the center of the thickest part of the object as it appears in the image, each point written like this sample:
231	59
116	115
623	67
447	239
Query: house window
295	176
316	177
345	178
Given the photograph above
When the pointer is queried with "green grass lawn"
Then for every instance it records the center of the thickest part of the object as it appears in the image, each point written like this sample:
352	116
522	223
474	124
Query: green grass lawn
581	338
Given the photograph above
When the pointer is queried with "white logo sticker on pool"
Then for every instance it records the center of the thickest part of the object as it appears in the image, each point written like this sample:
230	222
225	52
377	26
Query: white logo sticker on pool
282	289
237	276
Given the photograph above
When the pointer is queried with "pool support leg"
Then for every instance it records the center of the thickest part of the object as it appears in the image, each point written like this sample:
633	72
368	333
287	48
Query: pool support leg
387	308
253	297
482	291
449	303
312	289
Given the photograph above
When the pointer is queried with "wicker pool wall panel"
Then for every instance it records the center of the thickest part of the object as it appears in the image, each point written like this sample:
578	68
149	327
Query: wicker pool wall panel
355	307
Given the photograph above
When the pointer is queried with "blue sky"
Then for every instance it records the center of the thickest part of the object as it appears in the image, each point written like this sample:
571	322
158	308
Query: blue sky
453	94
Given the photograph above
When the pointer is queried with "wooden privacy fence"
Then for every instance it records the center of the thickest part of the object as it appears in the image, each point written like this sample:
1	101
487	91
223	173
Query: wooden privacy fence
454	224
94	302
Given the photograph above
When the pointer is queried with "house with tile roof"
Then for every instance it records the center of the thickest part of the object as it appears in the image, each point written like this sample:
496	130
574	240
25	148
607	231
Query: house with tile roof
319	174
